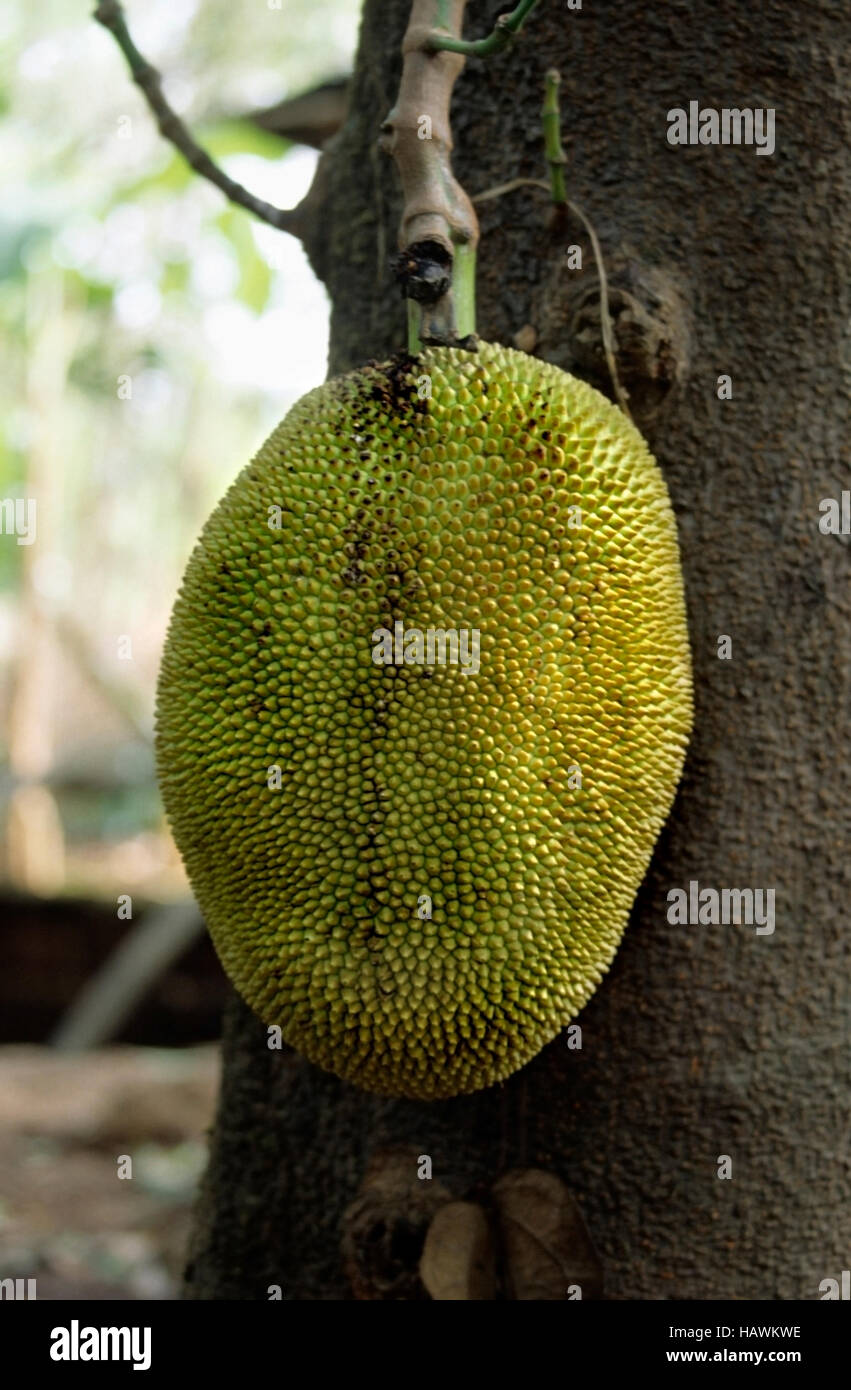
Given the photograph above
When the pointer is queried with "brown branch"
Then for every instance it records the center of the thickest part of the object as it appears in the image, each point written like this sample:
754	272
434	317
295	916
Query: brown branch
436	206
438	218
110	14
310	118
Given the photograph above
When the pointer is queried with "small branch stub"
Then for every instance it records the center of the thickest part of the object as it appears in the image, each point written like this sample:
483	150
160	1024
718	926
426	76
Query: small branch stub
425	271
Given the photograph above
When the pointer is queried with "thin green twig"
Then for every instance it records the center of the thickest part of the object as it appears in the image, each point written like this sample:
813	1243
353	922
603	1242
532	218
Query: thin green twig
503	32
605	317
551	122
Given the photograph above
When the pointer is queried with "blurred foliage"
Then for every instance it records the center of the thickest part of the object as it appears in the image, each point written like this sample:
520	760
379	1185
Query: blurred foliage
153	334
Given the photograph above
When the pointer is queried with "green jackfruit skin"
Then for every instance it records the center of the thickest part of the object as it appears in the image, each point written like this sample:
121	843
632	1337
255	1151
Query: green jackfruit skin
401	782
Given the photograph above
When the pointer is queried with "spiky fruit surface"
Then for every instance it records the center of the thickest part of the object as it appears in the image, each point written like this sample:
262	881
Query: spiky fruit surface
444	873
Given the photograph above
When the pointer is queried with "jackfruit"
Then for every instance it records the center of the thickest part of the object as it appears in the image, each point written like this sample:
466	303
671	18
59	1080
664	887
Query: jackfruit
420	866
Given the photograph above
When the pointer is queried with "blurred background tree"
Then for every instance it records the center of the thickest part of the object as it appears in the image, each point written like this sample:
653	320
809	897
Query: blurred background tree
152	335
149	346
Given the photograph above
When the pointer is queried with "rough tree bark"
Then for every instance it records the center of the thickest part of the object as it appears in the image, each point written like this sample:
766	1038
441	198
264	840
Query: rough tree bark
702	1040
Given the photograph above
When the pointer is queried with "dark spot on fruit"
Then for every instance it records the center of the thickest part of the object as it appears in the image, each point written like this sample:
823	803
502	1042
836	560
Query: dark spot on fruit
391	385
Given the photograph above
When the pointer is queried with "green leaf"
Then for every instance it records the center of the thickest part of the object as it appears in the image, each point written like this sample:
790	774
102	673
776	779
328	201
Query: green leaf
175	277
173	176
255	276
86	291
241	137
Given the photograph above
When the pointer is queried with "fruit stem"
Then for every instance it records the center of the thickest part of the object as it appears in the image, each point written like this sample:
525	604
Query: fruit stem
464	289
424	323
414	344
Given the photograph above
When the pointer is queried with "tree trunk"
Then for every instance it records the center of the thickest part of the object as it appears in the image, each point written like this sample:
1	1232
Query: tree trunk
702	1040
